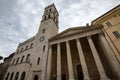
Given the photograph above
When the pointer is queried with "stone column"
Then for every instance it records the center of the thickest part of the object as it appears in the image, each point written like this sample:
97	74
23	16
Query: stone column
82	60
97	60
48	73
110	55
69	59
58	62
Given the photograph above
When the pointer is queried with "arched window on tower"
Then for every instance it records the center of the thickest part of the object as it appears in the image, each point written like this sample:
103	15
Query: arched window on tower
38	62
50	10
11	77
23	76
7	76
48	16
16	76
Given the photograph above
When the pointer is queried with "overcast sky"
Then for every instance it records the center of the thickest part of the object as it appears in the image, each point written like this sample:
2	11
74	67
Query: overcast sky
20	19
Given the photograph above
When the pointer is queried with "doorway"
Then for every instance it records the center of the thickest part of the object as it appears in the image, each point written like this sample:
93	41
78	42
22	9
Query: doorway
79	72
36	77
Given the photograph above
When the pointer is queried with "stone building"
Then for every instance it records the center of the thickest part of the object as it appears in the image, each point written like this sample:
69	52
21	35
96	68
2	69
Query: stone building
111	28
4	66
78	53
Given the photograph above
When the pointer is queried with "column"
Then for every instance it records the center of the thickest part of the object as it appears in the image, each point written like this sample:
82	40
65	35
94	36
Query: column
58	62
48	73
110	55
82	60
97	60
69	59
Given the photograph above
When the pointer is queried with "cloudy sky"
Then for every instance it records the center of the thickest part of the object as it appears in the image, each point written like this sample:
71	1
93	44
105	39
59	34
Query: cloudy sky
20	19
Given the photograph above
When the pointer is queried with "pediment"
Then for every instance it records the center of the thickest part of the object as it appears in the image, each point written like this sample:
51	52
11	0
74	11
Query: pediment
69	31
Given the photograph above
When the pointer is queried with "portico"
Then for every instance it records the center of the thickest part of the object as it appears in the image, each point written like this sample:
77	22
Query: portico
77	54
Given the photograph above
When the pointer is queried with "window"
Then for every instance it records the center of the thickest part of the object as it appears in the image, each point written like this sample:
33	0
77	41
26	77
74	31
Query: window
22	59
36	77
116	34
44	48
7	76
28	58
17	60
16	76
26	47
108	24
31	46
43	31
38	61
21	49
50	10
11	77
23	76
13	61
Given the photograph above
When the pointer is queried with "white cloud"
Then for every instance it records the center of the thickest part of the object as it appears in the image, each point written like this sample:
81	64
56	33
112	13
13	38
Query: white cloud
19	16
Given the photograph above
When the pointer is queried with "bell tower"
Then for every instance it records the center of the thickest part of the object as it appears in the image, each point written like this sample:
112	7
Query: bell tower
49	22
50	12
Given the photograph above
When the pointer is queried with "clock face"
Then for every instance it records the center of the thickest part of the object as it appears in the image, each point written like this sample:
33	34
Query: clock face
42	38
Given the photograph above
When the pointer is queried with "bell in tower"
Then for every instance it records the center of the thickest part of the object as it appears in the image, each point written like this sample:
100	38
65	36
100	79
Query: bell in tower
50	12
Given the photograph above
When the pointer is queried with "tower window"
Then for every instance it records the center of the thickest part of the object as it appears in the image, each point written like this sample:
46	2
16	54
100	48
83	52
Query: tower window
48	16
22	59
44	48
43	31
116	34
108	24
50	10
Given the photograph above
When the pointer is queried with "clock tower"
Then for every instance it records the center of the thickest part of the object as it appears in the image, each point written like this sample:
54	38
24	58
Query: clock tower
48	28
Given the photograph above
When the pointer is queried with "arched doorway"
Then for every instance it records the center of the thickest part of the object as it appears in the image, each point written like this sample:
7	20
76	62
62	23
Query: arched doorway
79	72
36	77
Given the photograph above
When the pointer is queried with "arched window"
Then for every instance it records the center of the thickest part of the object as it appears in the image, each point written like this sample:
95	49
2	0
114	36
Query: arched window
44	48
11	77
21	49
38	62
36	77
26	47
22	59
13	61
28	58
48	16
31	46
17	60
7	76
50	10
16	76
23	76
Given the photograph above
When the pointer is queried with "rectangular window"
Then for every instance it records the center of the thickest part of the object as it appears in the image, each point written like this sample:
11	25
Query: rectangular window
116	34
108	24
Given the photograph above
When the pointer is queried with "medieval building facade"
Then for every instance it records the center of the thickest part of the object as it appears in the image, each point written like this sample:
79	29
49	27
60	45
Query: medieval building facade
78	53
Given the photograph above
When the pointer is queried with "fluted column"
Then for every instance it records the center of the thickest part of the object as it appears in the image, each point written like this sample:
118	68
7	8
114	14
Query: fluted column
82	60
97	60
110	55
49	63
69	59
58	62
